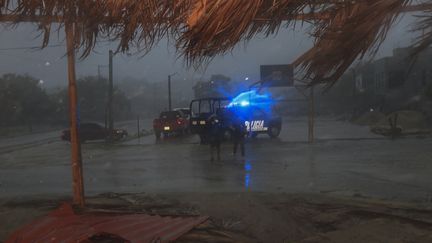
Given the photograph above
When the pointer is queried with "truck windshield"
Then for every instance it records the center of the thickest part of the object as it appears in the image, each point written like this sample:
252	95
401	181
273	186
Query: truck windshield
170	115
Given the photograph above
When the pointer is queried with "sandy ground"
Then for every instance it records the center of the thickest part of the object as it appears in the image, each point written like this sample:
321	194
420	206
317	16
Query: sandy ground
257	217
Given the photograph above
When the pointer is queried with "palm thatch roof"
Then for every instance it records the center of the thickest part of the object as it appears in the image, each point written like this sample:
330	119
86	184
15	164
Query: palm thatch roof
201	29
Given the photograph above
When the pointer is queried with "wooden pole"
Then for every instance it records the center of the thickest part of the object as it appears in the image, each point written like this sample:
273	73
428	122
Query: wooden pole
311	115
77	171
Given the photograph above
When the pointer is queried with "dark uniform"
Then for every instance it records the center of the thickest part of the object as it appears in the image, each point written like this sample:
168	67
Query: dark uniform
239	132
215	136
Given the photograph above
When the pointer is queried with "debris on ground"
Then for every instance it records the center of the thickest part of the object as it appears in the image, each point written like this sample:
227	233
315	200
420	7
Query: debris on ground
263	217
399	123
68	225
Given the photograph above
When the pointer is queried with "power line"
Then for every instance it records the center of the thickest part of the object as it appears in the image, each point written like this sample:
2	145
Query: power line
39	47
29	47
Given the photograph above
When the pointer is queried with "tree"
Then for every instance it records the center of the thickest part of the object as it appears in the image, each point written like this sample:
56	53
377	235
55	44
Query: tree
23	101
92	100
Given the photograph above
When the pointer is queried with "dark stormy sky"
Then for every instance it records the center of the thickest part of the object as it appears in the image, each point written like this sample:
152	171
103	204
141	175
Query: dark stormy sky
49	64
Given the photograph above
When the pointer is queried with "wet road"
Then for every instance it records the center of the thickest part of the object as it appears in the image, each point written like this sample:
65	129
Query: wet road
345	160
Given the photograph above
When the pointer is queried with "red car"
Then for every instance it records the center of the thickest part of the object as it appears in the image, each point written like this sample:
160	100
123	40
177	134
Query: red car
94	131
171	122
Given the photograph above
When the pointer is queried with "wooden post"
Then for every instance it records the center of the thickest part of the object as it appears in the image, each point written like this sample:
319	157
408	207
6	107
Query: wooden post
311	115
77	171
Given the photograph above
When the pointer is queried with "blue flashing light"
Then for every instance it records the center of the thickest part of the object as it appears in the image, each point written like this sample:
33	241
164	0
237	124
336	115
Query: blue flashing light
250	98
244	103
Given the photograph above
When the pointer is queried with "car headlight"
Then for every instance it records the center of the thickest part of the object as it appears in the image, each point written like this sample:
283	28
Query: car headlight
194	123
202	122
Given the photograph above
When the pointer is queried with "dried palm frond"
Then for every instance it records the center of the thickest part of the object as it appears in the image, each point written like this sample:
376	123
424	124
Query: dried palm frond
424	26
343	30
215	27
129	21
350	32
202	27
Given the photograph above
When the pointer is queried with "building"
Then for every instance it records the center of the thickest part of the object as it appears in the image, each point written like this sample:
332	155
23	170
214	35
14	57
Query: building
390	82
398	72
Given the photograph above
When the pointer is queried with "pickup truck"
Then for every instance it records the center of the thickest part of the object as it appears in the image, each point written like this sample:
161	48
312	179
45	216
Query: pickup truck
171	122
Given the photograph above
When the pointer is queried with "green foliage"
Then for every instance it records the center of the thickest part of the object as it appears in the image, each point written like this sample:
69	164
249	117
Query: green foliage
22	100
92	100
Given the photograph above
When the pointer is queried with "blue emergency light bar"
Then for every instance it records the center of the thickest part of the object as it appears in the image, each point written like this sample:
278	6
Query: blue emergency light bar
250	98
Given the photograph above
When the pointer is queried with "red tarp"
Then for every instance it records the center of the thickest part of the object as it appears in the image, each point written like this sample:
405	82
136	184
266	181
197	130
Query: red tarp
64	225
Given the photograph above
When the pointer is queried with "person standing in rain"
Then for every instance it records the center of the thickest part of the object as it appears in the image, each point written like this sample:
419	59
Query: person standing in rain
215	136
239	132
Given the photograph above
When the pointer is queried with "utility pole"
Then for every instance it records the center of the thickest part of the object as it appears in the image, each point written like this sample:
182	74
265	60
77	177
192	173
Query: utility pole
110	96
311	110
169	91
99	67
311	115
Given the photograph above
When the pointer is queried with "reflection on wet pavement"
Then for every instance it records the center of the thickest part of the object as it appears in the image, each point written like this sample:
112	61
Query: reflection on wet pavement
248	169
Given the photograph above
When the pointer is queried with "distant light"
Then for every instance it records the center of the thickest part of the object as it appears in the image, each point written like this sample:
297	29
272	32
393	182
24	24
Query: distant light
41	82
47	64
247	78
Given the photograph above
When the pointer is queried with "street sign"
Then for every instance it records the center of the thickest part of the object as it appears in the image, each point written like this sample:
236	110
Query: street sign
277	75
